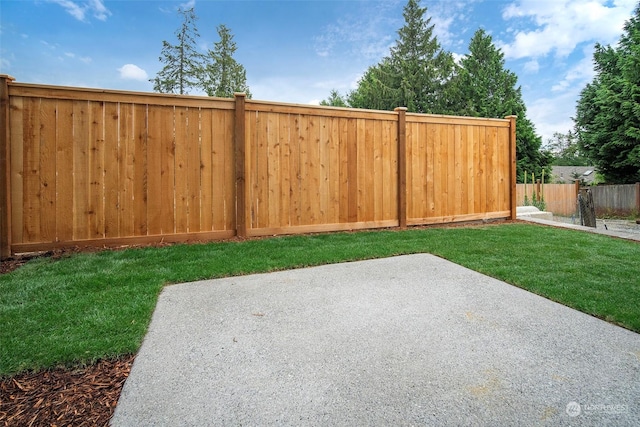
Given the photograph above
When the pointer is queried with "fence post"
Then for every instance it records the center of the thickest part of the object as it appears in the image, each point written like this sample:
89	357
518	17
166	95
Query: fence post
402	166
577	184
512	155
5	172
239	142
637	198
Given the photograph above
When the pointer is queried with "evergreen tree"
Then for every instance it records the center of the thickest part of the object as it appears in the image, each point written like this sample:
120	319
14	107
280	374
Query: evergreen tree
183	63
223	75
608	111
334	100
422	68
414	75
483	87
375	90
564	150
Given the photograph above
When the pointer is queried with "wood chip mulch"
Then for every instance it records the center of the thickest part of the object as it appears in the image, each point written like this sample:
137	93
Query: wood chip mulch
64	397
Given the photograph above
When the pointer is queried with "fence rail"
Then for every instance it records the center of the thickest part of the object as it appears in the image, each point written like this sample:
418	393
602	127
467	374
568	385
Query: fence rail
98	167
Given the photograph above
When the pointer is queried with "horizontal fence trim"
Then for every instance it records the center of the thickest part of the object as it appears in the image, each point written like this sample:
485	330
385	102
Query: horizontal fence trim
315	110
321	228
27	90
455	120
20	248
459	218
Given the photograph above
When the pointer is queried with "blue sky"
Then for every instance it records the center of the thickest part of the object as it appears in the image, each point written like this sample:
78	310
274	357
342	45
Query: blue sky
297	51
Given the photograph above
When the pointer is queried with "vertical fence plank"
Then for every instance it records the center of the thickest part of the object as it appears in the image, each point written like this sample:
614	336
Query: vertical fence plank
512	161
313	185
206	170
218	166
126	169
377	171
5	167
112	180
193	169
229	178
144	163
180	185
273	170
241	205
96	170
168	172
411	130
284	142
389	202
295	165
32	192
470	166
80	170
17	169
323	170
47	168
64	168
402	166
154	169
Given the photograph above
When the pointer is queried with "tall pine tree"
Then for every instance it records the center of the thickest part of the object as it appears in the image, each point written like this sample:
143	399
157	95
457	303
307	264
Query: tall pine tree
414	75
182	62
483	87
608	111
223	75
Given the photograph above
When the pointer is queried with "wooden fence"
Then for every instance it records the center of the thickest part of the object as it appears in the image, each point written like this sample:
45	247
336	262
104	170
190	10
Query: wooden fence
623	199
559	198
98	167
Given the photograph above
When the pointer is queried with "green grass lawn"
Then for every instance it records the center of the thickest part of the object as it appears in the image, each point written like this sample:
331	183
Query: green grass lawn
89	306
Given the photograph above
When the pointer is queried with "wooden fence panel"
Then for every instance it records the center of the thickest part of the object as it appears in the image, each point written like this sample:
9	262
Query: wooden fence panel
95	167
616	199
458	169
117	170
315	169
559	198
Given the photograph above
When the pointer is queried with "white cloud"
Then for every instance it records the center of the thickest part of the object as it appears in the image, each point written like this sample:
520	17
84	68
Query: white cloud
458	57
579	75
532	66
364	35
79	10
132	72
561	25
99	9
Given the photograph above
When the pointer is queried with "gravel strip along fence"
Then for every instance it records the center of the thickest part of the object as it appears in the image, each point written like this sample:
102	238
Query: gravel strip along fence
602	224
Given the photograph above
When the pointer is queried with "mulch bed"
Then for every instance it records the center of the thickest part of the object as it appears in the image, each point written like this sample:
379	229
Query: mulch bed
64	397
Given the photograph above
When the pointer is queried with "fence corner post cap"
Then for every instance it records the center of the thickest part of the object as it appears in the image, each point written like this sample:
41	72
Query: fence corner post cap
7	77
239	94
511	116
400	109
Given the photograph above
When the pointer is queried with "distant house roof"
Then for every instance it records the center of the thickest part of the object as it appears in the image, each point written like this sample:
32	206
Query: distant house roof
566	173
